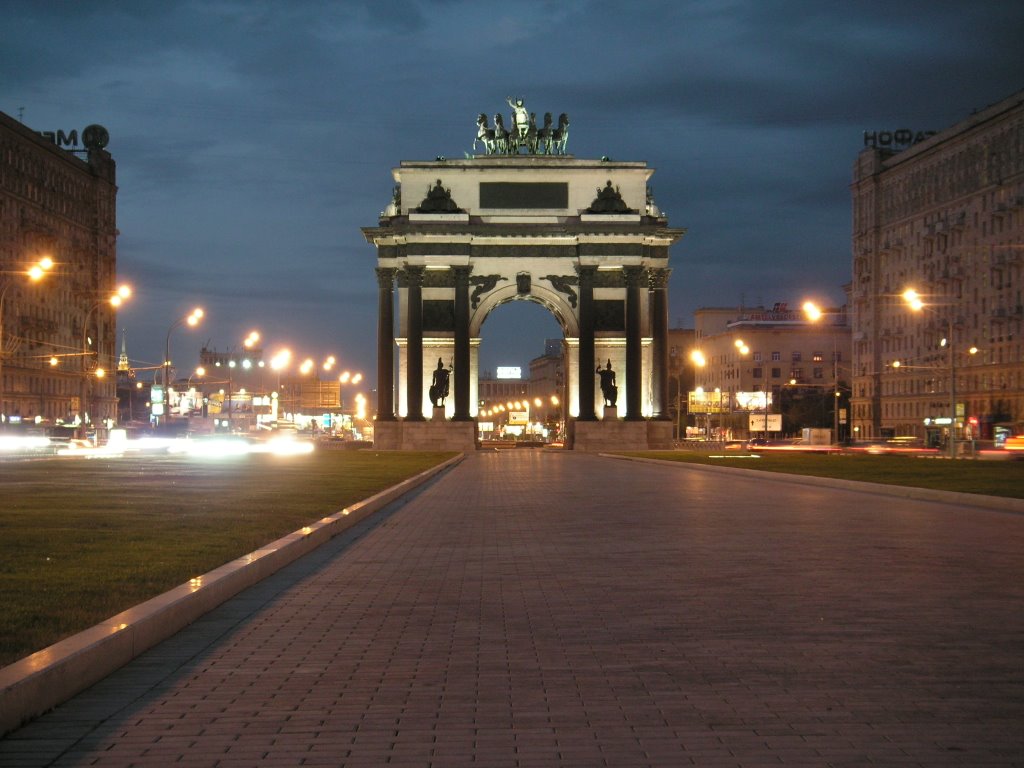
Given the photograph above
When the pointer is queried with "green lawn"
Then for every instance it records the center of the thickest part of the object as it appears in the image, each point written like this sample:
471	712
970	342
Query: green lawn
992	478
83	539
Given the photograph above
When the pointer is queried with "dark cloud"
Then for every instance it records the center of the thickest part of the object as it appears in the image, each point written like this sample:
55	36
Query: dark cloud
254	138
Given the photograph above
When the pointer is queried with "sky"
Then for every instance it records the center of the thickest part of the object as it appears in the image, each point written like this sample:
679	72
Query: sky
254	138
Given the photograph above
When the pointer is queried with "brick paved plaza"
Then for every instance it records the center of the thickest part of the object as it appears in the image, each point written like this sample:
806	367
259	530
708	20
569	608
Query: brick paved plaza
535	608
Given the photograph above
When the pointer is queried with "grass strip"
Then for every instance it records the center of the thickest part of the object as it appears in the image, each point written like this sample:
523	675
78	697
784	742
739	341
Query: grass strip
990	478
83	539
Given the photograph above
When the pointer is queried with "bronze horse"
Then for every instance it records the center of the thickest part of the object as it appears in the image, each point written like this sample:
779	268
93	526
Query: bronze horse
484	134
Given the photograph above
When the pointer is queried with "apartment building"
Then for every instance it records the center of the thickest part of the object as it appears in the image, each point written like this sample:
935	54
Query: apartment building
943	218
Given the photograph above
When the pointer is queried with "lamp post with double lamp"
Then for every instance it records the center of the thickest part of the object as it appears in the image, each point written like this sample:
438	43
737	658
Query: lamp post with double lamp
35	272
916	304
346	377
121	294
814	313
743	350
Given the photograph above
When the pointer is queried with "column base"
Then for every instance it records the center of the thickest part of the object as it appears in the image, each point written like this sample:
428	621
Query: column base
606	435
435	435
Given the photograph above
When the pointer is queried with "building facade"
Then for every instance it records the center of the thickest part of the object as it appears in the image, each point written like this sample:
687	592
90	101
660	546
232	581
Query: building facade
743	353
58	335
945	218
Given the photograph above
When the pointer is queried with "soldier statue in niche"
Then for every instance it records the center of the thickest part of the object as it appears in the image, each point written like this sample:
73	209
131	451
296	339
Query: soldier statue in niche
439	385
608	388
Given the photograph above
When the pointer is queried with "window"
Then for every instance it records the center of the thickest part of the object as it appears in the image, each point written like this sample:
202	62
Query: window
796	356
776	356
776	373
796	373
817	357
819	373
757	357
758	372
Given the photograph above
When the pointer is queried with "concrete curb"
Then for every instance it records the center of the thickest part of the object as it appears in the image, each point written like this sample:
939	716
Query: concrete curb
53	675
998	503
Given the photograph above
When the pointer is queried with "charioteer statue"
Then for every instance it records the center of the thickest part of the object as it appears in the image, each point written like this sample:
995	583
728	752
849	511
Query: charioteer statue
546	140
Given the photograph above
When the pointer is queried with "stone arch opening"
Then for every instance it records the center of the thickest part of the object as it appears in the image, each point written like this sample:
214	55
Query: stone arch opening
555	303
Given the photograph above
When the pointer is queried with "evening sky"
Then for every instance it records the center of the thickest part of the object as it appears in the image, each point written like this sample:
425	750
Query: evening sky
253	139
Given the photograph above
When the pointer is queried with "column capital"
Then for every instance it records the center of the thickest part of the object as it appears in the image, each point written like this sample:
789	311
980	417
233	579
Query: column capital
634	276
658	278
413	275
587	273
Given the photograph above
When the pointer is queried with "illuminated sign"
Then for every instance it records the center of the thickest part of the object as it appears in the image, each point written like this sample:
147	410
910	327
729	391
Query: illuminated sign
518	417
706	402
902	137
752	401
765	422
509	372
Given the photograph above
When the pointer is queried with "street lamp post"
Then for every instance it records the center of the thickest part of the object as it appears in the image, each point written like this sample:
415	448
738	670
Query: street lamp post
115	300
814	314
35	273
192	319
916	303
699	362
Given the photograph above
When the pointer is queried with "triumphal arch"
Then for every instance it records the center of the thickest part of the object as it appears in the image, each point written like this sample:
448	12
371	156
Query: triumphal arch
522	220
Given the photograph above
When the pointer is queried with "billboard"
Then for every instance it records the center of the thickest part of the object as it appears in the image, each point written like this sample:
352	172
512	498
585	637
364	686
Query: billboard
518	417
700	401
753	401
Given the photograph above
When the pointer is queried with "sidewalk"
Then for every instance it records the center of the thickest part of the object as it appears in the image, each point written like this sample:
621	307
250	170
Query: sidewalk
535	608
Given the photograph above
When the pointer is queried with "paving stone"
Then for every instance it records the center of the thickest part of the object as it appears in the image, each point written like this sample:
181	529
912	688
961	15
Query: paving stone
535	608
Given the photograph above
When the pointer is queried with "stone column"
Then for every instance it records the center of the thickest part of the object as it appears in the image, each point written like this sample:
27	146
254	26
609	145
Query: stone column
635	284
659	333
385	344
414	349
586	351
461	363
